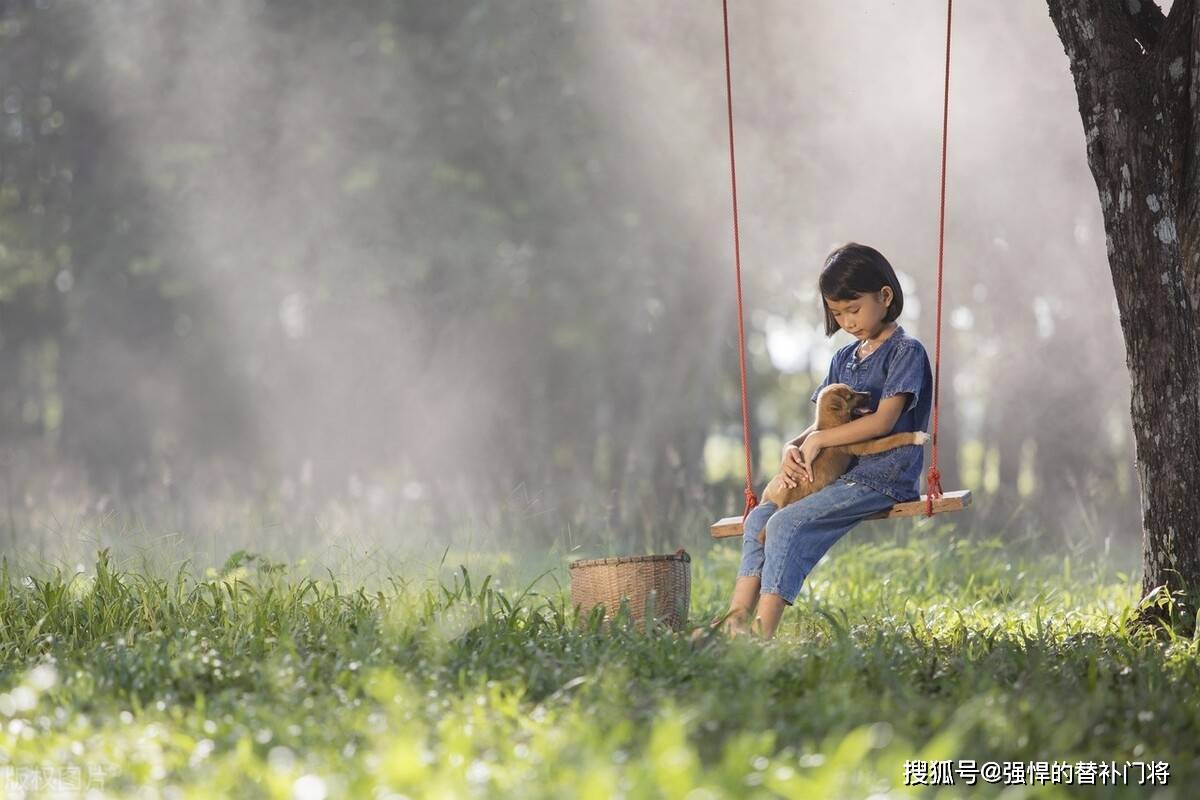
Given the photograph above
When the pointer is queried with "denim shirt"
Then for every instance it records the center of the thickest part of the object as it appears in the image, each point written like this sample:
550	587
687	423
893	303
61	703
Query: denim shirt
899	365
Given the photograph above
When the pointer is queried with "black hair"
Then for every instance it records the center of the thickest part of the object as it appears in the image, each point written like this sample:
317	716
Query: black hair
855	269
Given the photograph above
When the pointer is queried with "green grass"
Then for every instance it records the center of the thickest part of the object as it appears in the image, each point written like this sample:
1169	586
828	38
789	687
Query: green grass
260	680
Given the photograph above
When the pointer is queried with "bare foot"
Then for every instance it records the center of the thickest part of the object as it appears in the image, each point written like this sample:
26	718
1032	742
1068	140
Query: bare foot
733	622
738	629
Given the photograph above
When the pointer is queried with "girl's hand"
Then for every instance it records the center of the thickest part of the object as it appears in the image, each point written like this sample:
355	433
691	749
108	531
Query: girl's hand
809	449
791	466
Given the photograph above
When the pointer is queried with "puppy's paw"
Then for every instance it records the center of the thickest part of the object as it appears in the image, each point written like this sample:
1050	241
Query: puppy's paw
920	437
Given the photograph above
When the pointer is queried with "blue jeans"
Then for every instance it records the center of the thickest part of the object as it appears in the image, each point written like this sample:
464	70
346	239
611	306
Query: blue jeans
800	533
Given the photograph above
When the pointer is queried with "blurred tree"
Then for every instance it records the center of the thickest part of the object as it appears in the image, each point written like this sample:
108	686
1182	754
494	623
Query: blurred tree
35	183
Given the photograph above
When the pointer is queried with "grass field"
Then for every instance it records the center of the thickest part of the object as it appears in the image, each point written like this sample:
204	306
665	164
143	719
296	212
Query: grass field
273	680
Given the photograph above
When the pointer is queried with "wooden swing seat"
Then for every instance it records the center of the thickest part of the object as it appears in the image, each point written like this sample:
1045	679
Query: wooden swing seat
949	501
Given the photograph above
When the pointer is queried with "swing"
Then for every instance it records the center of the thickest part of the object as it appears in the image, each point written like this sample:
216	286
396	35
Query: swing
934	501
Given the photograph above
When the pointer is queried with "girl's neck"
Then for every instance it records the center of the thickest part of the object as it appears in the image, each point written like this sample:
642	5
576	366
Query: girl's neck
875	340
882	335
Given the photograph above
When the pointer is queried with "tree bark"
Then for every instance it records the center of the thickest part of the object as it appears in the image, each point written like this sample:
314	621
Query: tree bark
1136	78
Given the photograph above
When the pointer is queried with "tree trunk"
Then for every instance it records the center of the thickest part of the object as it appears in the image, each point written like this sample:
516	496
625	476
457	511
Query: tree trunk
1136	77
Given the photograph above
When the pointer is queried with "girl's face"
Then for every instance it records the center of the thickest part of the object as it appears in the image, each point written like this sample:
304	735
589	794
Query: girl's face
862	317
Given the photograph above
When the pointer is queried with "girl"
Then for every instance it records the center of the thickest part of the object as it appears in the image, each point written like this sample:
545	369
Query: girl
861	296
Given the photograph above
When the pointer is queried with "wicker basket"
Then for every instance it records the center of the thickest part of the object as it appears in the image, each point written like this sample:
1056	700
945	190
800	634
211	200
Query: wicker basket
658	584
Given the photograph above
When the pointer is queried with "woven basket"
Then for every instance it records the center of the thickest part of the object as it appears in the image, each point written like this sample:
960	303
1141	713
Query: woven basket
656	585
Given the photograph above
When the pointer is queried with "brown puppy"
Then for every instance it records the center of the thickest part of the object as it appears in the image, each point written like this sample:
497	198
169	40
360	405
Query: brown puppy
836	405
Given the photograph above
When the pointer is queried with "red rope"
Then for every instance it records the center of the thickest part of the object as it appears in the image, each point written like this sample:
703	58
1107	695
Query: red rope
934	479
751	499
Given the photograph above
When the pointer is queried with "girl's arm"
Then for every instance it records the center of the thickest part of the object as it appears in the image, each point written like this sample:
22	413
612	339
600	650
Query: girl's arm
800	439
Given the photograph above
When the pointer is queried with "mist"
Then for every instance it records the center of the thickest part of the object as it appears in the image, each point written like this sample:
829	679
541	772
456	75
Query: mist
461	274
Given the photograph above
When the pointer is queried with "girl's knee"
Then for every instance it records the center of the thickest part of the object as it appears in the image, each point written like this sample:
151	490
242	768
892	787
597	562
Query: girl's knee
759	517
780	523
